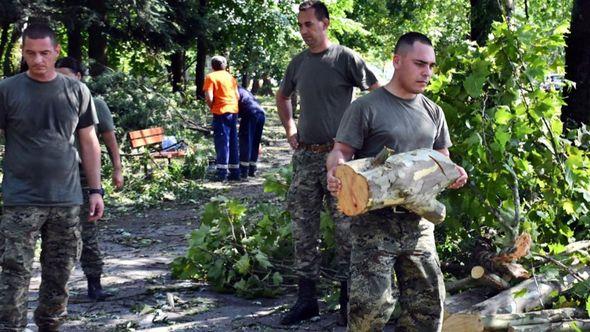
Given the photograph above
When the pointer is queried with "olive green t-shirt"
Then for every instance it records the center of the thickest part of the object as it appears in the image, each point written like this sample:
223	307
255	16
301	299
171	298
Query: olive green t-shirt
105	124
382	119
39	120
325	83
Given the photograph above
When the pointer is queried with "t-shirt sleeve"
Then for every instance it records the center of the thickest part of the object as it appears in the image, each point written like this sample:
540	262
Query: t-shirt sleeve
87	115
361	75
353	127
288	84
105	118
208	84
442	139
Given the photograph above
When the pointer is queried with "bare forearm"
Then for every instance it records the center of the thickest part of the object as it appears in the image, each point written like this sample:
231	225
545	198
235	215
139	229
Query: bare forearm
113	147
90	152
285	110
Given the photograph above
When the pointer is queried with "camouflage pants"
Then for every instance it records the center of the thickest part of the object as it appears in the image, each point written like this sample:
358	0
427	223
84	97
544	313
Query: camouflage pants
307	195
60	236
383	243
91	259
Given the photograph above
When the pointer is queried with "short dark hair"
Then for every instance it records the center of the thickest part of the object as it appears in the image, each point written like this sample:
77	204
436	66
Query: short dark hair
72	64
321	11
218	62
39	31
408	39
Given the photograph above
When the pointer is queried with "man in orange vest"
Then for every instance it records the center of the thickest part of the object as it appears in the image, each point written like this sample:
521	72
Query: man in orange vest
221	94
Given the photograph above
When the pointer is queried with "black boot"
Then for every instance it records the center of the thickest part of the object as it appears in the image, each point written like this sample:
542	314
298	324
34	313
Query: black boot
343	300
95	290
306	305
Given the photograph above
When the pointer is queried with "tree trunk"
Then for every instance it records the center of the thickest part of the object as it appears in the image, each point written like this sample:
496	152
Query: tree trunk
7	67
577	62
266	88
255	85
201	51
483	13
568	326
4	38
97	38
75	39
411	179
245	80
502	322
528	294
177	60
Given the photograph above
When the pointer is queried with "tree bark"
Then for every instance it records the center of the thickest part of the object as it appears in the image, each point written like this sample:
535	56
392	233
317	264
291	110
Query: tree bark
577	62
75	39
177	61
201	51
528	294
4	38
483	14
97	38
568	326
411	179
501	322
7	67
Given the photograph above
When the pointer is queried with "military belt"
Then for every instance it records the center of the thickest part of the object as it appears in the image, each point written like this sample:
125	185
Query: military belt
316	148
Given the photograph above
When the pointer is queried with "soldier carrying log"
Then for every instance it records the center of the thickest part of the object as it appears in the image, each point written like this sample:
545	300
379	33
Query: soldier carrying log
389	240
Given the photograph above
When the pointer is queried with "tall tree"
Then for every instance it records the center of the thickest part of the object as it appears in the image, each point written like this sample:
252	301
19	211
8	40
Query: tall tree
97	37
577	60
483	14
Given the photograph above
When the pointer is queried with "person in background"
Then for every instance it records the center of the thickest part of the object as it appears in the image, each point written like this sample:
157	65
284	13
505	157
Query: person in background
92	259
221	94
40	113
250	132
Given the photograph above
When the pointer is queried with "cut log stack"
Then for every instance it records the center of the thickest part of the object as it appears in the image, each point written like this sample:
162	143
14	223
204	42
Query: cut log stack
512	308
411	179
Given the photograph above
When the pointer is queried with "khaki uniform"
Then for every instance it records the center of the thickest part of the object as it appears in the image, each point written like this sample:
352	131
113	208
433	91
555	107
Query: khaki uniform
384	243
59	227
306	201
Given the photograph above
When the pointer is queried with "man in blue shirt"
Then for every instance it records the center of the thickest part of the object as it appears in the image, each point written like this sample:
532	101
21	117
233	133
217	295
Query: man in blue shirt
251	126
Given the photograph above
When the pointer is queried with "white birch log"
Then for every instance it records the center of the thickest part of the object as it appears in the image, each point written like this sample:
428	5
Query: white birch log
531	293
411	179
569	326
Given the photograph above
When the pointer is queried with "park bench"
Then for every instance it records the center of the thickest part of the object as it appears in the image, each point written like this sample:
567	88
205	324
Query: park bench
151	139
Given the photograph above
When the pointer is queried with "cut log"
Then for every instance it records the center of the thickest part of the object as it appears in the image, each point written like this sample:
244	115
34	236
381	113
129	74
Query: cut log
485	255
411	179
576	247
529	294
476	323
567	326
478	278
465	300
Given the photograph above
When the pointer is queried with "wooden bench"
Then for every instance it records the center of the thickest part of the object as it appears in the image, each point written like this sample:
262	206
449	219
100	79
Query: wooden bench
151	139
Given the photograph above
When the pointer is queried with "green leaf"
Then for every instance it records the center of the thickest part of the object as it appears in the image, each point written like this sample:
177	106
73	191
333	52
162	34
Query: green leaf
262	259
503	115
473	84
243	264
277	279
568	206
520	293
588	305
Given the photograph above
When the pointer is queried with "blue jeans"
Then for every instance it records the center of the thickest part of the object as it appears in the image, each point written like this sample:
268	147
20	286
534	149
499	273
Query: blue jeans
250	133
226	146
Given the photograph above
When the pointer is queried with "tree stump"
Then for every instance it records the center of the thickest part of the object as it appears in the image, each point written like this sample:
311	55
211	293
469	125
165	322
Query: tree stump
411	179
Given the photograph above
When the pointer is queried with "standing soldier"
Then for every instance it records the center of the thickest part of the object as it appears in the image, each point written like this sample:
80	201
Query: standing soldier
221	94
324	76
40	112
91	259
389	240
250	133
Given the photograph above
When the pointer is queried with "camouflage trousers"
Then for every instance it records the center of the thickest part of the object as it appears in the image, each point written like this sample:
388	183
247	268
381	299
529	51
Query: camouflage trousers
91	259
307	195
384	243
60	235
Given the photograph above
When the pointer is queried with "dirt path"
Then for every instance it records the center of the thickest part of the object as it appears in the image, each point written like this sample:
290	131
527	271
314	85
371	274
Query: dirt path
138	248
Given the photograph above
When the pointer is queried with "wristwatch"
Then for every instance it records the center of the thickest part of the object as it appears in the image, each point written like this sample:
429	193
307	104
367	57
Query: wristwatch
99	191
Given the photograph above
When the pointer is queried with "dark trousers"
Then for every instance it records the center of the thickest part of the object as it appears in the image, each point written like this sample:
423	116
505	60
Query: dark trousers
250	133
226	145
